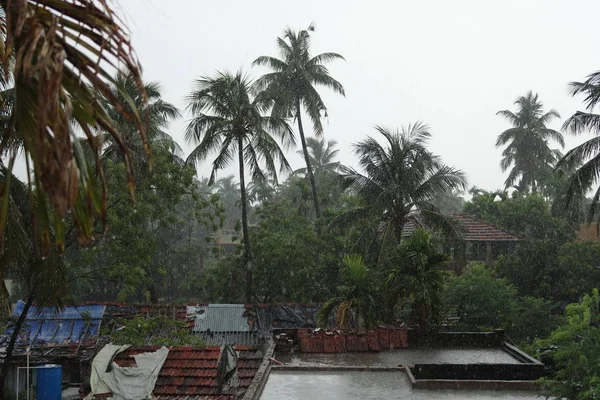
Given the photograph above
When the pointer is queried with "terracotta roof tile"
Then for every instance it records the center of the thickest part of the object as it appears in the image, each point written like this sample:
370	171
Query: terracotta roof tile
191	373
474	230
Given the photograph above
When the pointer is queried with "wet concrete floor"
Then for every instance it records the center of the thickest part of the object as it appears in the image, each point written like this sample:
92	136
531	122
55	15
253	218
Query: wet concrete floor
393	358
368	385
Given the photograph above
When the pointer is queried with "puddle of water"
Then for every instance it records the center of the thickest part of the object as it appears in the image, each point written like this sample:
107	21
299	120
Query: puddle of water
406	357
358	385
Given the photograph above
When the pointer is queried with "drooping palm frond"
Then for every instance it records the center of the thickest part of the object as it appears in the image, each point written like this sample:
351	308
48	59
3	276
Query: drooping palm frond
61	57
583	162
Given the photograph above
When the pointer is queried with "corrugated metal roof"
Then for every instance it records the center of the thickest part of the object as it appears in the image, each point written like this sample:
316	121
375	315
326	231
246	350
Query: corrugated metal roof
219	318
224	338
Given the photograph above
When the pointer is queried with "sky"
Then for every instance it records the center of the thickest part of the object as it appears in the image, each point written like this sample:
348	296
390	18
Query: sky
451	64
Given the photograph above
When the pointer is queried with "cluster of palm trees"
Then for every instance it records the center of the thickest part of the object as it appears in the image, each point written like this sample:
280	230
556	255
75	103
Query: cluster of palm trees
537	168
247	121
58	59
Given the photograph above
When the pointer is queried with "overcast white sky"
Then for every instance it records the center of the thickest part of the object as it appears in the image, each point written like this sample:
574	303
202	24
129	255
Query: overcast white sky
452	64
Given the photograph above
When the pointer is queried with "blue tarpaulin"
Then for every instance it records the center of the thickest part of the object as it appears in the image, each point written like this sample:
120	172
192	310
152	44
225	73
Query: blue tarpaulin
69	325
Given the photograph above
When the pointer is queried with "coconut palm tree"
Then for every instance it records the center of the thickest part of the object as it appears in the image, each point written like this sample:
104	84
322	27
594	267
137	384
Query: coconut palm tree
322	156
356	295
293	83
59	56
584	160
260	191
157	113
401	182
527	144
228	121
420	277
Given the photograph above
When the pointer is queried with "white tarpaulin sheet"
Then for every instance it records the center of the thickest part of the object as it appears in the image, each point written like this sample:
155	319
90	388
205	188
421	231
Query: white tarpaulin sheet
126	383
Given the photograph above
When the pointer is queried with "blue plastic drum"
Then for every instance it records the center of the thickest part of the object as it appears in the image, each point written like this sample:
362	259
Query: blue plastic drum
49	382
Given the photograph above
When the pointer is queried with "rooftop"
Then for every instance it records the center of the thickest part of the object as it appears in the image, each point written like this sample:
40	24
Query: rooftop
475	230
198	373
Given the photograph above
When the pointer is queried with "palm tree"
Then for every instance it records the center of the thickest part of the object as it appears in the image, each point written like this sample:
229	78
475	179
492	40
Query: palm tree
293	83
59	56
322	156
260	191
584	159
229	195
420	277
528	151
157	114
401	181
228	120
356	295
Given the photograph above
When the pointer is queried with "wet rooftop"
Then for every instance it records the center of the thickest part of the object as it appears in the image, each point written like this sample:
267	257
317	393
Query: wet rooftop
412	356
369	385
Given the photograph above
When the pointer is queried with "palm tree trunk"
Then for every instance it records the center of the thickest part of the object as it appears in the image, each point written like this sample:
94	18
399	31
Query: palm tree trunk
309	171
247	252
11	343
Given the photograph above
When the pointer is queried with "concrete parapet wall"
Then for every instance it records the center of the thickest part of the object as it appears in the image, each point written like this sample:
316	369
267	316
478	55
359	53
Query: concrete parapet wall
499	372
457	339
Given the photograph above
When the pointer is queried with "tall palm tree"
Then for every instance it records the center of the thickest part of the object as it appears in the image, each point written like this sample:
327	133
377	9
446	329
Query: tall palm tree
157	114
527	144
322	156
293	83
401	181
228	120
584	159
59	56
356	295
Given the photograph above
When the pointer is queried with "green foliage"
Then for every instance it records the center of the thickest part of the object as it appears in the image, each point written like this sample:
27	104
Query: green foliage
528	215
420	277
356	295
152	247
534	318
553	272
154	331
291	263
480	300
577	351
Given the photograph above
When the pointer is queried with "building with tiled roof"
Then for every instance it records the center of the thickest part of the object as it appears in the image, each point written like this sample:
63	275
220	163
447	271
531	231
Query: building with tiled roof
200	373
480	240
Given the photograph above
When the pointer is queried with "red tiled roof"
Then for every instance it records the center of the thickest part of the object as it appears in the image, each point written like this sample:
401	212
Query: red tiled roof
192	373
474	230
187	371
248	362
477	230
